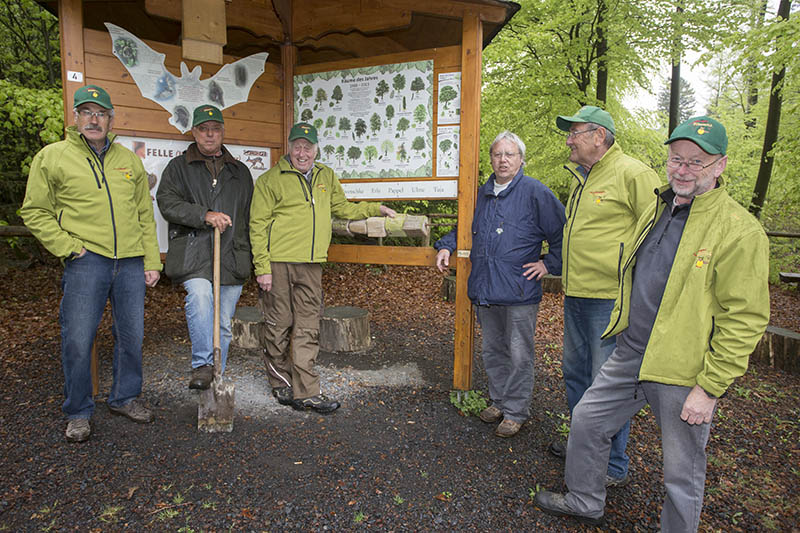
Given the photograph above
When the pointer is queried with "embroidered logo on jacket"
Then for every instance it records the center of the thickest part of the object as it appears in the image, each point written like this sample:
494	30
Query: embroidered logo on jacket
321	186
599	196
703	257
127	172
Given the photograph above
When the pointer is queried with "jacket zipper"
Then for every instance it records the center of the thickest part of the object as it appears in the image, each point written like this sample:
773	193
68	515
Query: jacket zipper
101	165
621	274
574	201
94	172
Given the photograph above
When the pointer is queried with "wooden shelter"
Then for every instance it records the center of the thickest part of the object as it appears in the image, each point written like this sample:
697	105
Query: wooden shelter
301	37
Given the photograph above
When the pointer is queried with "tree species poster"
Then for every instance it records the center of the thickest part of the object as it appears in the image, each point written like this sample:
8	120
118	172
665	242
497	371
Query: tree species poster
449	101
447	139
156	153
373	122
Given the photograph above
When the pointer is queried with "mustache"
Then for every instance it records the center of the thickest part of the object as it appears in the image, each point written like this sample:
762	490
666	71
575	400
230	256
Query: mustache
93	127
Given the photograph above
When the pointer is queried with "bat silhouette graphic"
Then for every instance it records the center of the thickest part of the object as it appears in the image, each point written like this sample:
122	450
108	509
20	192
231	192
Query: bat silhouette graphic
181	95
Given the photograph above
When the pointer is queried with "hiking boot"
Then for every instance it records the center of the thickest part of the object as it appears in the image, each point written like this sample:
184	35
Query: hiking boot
319	403
617	482
558	448
284	395
507	428
202	376
491	414
78	430
134	410
554	504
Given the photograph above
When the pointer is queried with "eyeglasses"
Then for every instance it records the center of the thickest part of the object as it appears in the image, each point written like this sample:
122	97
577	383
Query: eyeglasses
576	133
674	163
507	155
99	115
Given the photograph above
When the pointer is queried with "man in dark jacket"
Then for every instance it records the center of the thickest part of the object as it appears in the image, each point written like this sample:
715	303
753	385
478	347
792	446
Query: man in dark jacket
514	213
202	189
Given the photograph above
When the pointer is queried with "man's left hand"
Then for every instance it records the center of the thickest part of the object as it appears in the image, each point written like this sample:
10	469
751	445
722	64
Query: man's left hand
151	277
388	211
698	407
535	270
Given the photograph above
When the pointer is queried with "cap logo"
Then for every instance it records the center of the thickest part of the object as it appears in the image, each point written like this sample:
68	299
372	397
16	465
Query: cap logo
94	94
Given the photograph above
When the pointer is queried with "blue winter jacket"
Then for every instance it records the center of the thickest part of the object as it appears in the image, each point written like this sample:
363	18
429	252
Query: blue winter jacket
507	232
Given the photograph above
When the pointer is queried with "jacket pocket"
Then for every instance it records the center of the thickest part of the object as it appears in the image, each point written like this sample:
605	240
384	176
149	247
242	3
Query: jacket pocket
242	261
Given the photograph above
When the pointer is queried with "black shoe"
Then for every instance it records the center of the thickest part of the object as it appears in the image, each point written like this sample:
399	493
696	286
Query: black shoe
553	503
284	395
558	448
202	376
617	482
319	403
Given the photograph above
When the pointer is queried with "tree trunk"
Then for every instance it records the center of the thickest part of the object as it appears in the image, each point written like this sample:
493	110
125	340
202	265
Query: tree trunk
771	131
602	50
344	329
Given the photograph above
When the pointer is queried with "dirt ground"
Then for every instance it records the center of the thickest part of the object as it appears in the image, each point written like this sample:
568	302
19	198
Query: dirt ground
396	457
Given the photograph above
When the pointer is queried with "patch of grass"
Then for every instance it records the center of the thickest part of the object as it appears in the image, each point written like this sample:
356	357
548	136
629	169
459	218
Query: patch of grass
359	517
167	514
209	505
469	402
743	392
109	514
178	499
398	500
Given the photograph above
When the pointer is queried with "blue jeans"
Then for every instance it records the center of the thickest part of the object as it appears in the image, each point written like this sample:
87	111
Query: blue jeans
508	333
87	284
585	320
200	319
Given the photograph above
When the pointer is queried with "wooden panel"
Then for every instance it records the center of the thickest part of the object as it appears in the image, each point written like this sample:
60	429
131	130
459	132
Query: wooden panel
128	95
205	30
382	255
355	44
288	60
448	57
238	131
70	22
254	16
319	17
471	50
451	8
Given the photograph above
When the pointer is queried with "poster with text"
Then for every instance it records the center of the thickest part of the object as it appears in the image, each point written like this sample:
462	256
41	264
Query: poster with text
449	102
447	152
156	153
373	122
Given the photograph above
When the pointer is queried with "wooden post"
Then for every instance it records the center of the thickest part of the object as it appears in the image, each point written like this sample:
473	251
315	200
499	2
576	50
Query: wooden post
471	51
288	59
73	76
205	30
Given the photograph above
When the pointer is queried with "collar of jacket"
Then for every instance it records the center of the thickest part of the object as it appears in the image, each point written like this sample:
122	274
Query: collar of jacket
76	138
703	202
489	185
608	158
193	155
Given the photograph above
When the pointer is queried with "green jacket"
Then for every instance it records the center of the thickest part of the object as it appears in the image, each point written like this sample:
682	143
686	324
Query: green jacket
715	306
601	214
74	200
290	222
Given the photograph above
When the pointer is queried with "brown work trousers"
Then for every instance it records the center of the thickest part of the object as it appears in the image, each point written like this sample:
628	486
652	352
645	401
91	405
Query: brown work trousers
292	311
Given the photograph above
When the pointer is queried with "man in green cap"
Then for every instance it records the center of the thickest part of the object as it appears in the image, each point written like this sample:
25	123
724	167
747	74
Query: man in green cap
202	189
696	280
609	193
290	230
88	202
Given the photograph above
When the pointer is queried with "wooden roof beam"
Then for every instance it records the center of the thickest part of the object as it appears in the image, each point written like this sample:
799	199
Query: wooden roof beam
251	15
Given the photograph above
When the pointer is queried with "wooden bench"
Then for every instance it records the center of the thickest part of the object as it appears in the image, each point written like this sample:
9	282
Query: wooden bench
790	277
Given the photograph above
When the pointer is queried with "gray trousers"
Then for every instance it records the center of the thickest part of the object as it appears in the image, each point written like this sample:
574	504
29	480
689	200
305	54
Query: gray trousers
507	350
614	397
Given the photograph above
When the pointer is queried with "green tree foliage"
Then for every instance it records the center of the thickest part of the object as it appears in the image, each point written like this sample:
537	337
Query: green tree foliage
329	151
375	122
420	113
381	89
354	152
321	95
402	155
330	122
344	124
403	124
418	144
370	152
417	85
307	92
318	124
446	94
445	145
686	100
30	54
387	146
306	115
361	127
337	94
399	82
339	153
389	112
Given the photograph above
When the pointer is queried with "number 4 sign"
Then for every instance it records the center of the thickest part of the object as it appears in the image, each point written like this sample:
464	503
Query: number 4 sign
75	76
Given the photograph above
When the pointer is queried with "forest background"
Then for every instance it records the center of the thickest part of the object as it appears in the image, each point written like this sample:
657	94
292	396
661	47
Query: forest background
552	58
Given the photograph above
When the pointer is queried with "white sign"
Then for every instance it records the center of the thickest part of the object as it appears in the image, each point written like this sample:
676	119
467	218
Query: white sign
447	139
443	189
180	95
75	76
373	122
156	153
449	102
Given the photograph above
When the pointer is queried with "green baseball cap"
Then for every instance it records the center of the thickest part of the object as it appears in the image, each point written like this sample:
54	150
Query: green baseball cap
587	113
92	94
705	132
303	130
206	113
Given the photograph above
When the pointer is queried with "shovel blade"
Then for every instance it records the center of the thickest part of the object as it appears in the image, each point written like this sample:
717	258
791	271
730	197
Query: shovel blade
215	409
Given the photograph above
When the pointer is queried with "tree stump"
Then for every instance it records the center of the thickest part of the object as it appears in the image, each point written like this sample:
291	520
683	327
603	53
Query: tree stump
551	283
449	288
246	326
344	329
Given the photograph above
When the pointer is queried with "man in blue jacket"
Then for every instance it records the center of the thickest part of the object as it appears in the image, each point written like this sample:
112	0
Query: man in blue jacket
514	213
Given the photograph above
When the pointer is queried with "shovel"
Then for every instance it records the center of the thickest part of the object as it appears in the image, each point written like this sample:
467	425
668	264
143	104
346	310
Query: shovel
215	410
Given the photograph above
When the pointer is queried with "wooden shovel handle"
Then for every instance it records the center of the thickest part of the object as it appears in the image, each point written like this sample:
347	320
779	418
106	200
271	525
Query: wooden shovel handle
217	350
